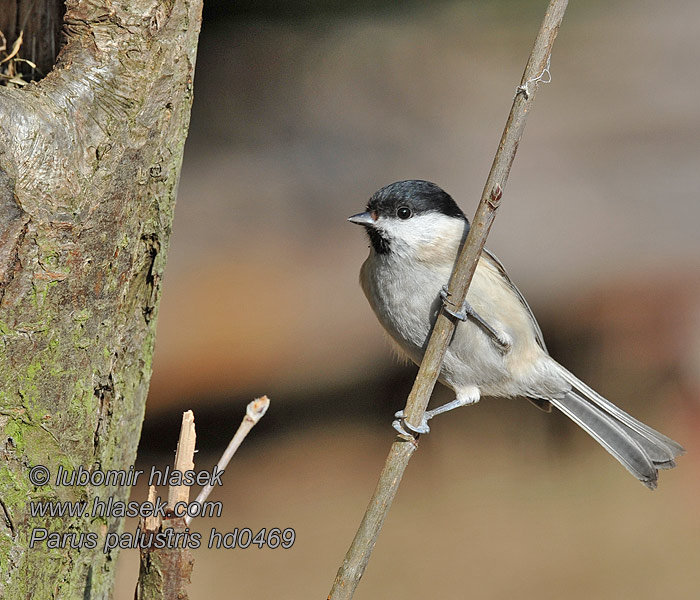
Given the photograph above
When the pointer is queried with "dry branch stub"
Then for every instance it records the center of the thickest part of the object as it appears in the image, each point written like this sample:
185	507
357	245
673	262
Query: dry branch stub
184	458
165	572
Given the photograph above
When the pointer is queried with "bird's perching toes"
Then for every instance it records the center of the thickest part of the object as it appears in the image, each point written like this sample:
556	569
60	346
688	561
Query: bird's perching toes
466	312
471	396
405	428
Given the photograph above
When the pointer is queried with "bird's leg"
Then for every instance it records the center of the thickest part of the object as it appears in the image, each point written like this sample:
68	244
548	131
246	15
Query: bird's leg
467	396
467	312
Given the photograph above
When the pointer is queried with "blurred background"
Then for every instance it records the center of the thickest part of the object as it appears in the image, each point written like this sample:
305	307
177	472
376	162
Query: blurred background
302	110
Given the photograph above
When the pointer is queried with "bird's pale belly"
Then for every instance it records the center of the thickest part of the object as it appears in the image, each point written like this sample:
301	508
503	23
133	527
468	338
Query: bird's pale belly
408	309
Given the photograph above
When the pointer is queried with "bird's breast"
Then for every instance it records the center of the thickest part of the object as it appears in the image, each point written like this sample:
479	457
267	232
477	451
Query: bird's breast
406	300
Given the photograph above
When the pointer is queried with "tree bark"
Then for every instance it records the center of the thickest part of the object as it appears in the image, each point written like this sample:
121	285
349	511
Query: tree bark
89	163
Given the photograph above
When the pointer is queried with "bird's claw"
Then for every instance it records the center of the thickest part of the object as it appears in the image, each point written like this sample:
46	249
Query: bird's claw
445	294
401	425
501	340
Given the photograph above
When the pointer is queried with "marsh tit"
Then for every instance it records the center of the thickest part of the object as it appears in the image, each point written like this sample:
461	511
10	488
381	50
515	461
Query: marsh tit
415	231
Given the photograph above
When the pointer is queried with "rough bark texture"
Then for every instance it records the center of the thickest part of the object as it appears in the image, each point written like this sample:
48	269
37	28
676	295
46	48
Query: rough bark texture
89	163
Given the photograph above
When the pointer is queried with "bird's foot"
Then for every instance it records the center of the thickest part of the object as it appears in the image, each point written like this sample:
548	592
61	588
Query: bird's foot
466	396
401	425
501	340
461	314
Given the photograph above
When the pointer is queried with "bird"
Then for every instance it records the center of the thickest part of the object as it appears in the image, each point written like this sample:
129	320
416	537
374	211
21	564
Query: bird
416	231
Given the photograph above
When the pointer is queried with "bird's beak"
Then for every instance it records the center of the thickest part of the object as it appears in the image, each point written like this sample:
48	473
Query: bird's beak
364	218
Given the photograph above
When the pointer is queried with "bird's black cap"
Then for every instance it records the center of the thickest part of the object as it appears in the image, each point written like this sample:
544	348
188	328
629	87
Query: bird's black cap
418	195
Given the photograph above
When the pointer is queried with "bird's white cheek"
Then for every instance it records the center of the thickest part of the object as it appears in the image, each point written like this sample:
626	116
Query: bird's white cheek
431	237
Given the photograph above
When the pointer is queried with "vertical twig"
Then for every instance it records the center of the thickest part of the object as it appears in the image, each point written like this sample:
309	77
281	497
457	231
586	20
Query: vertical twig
402	449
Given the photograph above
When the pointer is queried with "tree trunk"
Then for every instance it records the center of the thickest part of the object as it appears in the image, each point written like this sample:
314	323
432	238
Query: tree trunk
89	163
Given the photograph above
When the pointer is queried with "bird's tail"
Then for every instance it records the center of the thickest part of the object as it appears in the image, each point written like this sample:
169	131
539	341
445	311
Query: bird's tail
641	449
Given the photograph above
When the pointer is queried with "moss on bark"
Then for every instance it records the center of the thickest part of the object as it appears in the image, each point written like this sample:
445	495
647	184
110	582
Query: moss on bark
89	164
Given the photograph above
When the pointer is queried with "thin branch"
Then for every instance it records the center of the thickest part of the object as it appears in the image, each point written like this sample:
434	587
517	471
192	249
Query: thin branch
402	449
254	412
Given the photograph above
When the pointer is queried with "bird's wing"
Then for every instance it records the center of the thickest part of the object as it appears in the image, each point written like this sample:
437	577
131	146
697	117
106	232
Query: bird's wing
499	265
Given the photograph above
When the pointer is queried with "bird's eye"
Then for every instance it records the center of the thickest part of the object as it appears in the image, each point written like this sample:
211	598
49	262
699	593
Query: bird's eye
404	213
